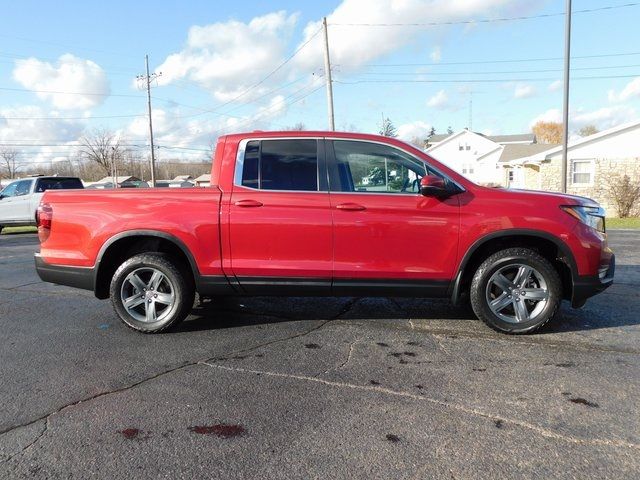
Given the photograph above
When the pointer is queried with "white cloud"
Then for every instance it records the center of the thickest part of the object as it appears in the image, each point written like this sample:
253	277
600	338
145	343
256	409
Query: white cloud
419	129
70	74
555	86
170	128
602	118
163	122
436	54
25	125
353	46
229	57
276	107
439	101
524	91
631	90
552	115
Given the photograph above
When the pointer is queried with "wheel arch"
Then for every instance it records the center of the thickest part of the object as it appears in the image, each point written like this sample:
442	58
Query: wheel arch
548	245
126	244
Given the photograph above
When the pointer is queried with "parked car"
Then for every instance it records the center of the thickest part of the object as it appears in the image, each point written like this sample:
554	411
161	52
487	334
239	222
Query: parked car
19	200
325	213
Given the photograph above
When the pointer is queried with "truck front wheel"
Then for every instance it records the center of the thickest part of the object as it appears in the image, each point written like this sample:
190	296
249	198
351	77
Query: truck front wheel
150	293
516	290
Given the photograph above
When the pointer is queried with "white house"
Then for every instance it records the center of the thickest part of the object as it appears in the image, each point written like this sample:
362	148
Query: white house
593	163
478	156
203	180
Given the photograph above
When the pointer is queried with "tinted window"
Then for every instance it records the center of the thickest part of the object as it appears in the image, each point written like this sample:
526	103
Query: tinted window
281	165
375	168
23	188
58	184
250	172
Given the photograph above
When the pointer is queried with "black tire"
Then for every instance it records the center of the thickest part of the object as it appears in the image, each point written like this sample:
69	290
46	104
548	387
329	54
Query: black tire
521	312
154	308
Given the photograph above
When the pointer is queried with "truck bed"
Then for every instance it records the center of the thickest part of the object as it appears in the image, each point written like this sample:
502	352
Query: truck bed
84	221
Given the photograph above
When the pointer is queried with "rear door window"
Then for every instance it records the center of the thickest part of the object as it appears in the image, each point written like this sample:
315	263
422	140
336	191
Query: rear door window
23	188
58	184
290	165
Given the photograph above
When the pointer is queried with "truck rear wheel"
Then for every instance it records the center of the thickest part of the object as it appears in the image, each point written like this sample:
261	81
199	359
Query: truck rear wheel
516	290
150	293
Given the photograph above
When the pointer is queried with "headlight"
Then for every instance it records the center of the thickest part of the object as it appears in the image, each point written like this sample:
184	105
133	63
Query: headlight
592	216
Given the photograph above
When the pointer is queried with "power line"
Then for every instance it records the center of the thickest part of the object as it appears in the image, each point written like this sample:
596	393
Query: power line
71	118
259	116
183	148
15	143
480	62
483	80
484	20
500	72
11	89
47	42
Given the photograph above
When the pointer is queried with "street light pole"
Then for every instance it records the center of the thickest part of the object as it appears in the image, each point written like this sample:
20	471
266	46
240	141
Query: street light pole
565	113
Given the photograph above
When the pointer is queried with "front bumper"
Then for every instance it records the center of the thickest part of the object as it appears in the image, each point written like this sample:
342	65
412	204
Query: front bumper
78	277
585	287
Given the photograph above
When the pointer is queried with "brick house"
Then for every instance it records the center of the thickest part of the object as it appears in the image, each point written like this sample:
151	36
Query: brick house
593	162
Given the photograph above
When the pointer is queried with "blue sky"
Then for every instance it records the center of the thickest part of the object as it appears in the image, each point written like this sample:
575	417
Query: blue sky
218	61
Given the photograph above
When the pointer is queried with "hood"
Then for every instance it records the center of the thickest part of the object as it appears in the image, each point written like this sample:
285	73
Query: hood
561	198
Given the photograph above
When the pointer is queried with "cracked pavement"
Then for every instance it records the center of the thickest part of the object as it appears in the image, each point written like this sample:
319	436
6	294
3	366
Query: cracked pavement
315	387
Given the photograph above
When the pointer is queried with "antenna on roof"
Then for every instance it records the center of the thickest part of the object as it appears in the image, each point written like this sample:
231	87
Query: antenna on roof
471	110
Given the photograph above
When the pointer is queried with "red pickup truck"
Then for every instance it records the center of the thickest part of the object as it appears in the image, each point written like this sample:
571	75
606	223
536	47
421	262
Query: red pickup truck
330	214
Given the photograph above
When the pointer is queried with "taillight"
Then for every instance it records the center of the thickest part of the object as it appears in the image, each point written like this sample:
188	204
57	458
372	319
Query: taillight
44	218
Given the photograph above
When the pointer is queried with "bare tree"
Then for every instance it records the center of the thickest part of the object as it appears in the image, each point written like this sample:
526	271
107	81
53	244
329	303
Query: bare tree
299	126
211	150
9	162
102	147
624	193
588	130
387	128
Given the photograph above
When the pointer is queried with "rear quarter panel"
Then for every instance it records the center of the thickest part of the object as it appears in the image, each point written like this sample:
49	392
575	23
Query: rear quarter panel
83	221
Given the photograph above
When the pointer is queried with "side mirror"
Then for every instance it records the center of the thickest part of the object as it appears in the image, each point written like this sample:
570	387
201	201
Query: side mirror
1	196
434	186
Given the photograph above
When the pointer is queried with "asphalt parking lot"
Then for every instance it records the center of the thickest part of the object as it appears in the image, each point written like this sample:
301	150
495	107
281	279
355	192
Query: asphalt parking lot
315	387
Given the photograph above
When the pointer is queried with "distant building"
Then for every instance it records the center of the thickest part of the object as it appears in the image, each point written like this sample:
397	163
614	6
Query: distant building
478	156
203	180
520	138
175	183
183	178
594	163
123	182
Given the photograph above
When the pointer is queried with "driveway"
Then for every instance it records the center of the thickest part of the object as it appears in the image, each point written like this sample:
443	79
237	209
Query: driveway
315	387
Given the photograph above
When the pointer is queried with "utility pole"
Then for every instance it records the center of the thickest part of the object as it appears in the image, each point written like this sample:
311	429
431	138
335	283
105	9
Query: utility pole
565	113
147	80
114	168
327	75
